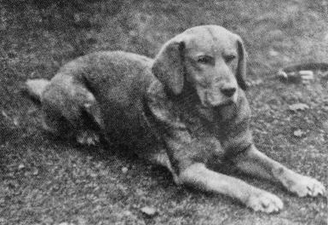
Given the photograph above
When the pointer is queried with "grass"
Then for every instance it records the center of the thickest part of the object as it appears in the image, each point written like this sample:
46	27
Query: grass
48	181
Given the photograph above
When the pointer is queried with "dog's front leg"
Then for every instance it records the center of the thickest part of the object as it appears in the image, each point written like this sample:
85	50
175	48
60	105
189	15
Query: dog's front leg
256	163
197	175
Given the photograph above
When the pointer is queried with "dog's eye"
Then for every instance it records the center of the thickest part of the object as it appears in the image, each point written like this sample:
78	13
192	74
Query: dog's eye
205	59
229	58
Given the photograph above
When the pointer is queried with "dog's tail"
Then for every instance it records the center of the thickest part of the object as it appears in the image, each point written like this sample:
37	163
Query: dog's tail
33	89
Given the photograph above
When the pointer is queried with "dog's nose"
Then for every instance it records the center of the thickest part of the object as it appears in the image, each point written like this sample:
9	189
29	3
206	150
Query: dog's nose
228	91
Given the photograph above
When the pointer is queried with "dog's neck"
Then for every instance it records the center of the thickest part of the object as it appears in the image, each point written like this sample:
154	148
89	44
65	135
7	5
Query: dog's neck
187	98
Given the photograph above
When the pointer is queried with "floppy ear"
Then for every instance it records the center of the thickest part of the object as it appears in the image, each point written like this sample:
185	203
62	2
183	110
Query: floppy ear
168	66
241	69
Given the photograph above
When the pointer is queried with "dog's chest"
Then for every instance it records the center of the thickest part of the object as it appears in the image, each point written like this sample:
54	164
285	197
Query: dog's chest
197	126
202	130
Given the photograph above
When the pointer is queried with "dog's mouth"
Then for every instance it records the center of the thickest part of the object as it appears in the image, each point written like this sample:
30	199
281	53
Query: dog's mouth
226	103
208	104
211	99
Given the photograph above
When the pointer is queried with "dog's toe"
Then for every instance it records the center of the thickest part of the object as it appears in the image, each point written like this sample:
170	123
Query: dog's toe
265	202
307	186
87	138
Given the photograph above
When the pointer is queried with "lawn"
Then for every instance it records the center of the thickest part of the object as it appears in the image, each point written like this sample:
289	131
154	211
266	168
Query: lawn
49	181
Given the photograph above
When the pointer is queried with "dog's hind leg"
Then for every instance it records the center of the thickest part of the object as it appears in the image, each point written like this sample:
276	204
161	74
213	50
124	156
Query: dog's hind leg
34	89
71	110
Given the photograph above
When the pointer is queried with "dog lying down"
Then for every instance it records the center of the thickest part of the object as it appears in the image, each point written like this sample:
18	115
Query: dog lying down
186	109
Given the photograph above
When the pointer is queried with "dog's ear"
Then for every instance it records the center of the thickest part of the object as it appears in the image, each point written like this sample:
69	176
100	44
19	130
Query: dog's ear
241	69
168	66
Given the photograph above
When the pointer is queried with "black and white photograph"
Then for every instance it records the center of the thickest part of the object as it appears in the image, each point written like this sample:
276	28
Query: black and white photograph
163	112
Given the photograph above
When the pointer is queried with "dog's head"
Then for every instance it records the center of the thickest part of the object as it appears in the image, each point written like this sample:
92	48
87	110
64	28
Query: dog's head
209	58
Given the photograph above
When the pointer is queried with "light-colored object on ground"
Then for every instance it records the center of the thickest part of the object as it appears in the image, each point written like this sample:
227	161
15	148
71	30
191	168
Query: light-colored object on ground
302	73
306	74
186	109
303	76
149	211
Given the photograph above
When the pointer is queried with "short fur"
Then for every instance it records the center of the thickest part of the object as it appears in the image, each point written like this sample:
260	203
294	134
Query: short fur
186	110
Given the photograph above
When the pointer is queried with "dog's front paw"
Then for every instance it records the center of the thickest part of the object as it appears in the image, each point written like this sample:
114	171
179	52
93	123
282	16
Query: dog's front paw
265	202
87	138
306	186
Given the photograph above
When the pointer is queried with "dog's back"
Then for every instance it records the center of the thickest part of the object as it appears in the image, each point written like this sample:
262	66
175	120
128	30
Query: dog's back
108	87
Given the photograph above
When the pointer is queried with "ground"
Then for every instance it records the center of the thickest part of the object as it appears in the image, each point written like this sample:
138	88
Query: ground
50	181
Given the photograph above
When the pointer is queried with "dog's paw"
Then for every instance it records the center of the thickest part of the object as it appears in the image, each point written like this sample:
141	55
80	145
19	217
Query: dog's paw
87	138
265	202
307	186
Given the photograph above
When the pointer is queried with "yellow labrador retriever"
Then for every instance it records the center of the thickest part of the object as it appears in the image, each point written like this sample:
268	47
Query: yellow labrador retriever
186	109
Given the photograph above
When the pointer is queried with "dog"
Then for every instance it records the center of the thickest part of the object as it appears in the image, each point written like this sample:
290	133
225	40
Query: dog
185	109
